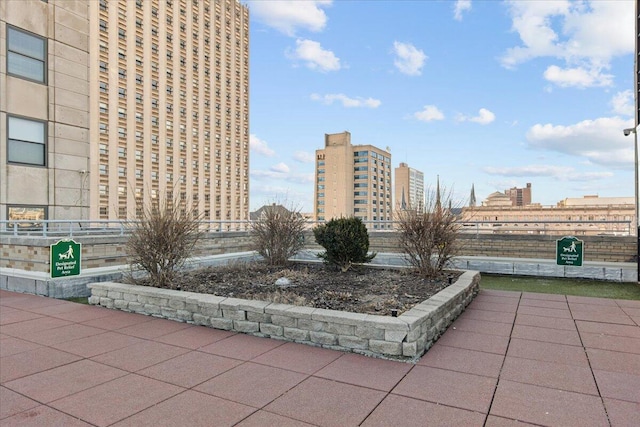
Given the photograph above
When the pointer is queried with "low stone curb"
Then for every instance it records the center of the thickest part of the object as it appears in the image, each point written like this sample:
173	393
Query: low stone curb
405	337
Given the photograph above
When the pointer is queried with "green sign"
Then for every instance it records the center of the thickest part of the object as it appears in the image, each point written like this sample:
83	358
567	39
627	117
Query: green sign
569	251
65	258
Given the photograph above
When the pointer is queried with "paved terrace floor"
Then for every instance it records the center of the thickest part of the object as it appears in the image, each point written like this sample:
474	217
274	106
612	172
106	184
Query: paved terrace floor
541	359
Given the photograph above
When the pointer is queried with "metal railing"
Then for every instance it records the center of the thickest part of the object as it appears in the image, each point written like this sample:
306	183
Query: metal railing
72	228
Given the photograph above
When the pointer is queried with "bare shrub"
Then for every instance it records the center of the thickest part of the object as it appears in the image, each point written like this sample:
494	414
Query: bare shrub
278	233
429	238
163	238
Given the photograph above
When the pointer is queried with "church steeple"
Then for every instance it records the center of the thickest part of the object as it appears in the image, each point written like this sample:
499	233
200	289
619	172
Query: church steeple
472	198
438	203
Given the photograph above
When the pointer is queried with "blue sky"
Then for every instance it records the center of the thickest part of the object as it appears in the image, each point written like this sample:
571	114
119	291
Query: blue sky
490	93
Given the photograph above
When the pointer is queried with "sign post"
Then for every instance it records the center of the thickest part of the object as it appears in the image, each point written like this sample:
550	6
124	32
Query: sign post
66	257
569	251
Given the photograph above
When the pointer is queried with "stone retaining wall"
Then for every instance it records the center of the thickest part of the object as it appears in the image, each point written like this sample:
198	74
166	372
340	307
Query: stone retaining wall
407	336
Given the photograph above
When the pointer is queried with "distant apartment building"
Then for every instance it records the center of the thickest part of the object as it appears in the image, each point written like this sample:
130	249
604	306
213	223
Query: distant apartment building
519	196
109	103
409	188
589	215
352	180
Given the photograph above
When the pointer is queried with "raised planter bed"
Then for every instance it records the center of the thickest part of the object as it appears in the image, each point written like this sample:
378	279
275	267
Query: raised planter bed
407	336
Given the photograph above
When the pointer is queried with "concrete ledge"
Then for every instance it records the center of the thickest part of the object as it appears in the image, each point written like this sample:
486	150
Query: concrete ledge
405	337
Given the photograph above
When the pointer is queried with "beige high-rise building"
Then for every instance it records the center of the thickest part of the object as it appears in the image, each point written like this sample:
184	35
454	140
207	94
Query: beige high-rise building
352	180
112	102
409	188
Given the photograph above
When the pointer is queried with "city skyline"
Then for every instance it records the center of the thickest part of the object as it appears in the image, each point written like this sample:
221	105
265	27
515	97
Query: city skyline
490	94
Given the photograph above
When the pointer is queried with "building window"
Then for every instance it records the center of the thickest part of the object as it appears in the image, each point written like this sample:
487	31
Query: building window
26	141
26	55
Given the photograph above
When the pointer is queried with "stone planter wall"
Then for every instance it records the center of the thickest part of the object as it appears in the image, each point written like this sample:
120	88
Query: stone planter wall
407	336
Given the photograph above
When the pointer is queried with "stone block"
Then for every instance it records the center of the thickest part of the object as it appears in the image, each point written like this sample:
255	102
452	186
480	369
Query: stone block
184	315
136	307
99	292
143	299
271	330
106	302
258	317
385	347
311	325
277	308
152	309
285	321
232	314
370	332
210	310
323	338
254	306
300	312
169	313
414	334
394	336
220	323
339	329
127	296
201	320
114	295
176	304
353	342
409	349
245	326
341	317
194	308
94	300
296	334
121	304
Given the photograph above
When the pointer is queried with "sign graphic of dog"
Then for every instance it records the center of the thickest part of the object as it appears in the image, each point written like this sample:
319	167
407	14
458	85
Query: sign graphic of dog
66	255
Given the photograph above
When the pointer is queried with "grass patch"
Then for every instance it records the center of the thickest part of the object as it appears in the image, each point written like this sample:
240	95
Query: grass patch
579	287
79	300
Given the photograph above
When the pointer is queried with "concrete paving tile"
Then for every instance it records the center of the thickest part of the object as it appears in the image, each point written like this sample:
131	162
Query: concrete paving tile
13	345
591	300
140	355
616	385
536	333
608	342
543	297
190	369
547	406
241	346
298	357
608	329
189	409
529	302
13	403
43	416
547	352
64	380
34	325
462	360
31	302
495	299
153	328
493	421
118	399
544	312
252	384
632	311
264	418
327	403
474	341
636	320
356	369
194	337
633	303
118	320
55	309
17	316
32	361
61	334
548	374
490	316
490	306
495	292
97	344
614	361
483	327
399	410
602	314
450	388
622	414
84	313
545	322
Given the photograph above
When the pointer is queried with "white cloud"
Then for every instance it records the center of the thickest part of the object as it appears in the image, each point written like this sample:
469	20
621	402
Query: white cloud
563	173
329	98
586	35
459	7
622	103
409	59
314	56
484	117
288	16
578	77
304	157
259	146
600	141
279	168
429	113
